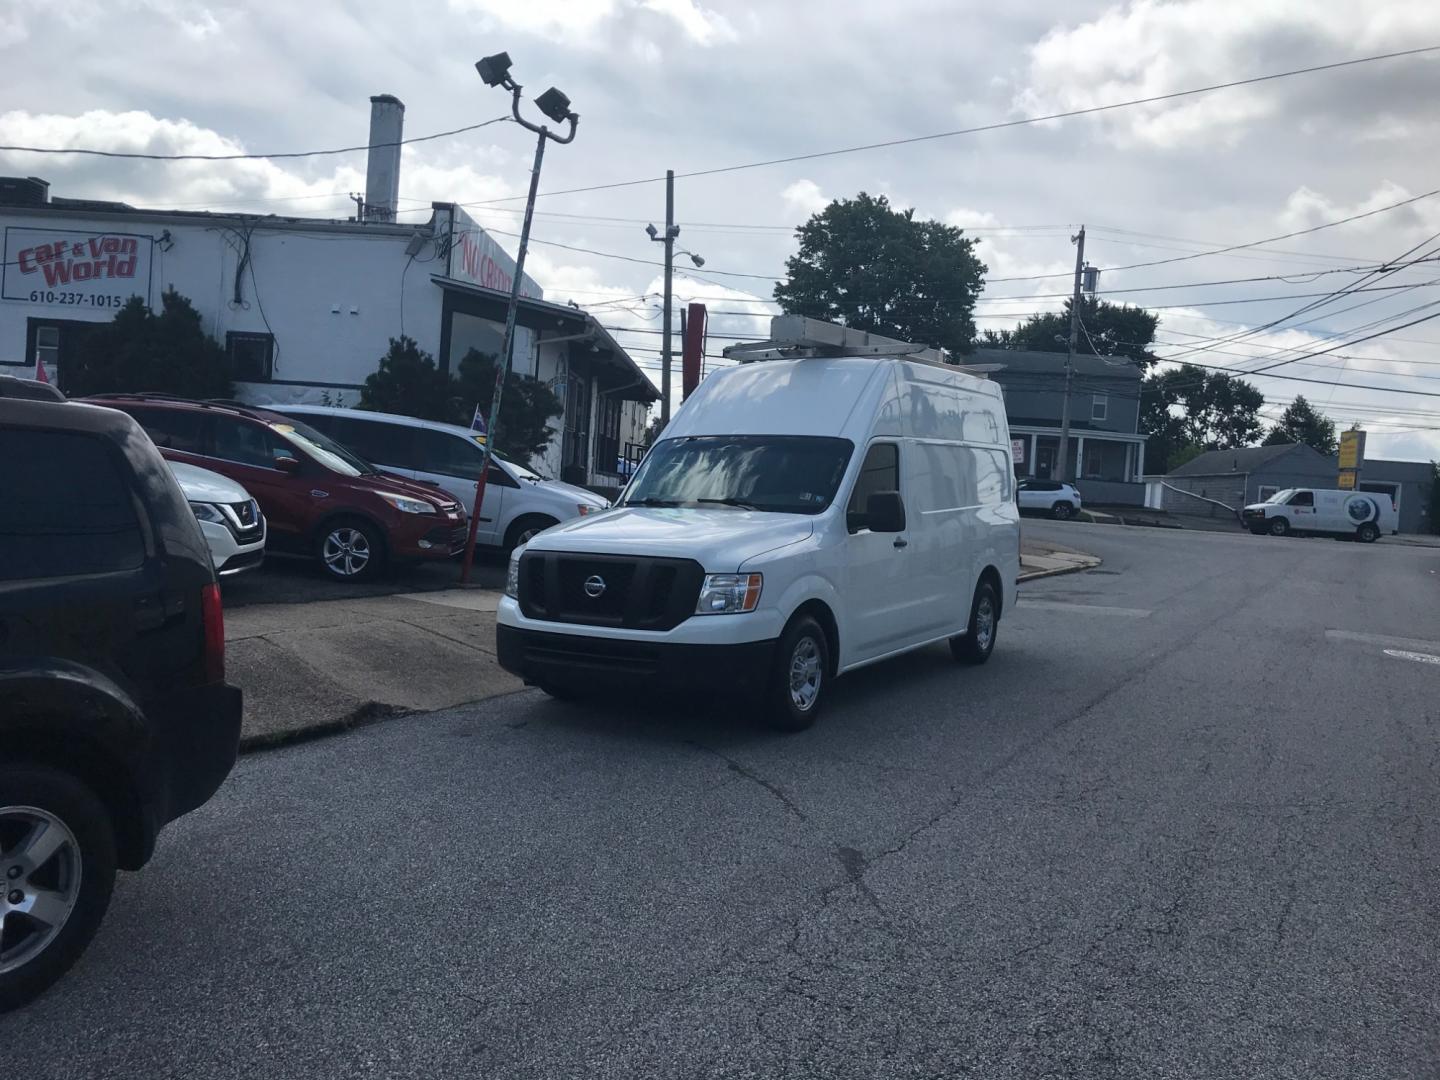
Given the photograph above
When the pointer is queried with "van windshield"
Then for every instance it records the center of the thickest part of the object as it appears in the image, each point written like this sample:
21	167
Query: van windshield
1281	495
786	474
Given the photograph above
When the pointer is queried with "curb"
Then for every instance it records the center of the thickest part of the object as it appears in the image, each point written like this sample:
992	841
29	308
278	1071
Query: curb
1058	570
369	713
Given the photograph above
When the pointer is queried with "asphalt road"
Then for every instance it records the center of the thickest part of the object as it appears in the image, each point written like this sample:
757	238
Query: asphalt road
1173	829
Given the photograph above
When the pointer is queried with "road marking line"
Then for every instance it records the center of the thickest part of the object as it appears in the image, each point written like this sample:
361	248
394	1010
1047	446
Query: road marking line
1383	640
1084	609
1424	658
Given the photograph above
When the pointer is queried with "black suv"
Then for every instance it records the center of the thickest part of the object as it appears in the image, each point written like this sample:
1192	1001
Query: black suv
114	714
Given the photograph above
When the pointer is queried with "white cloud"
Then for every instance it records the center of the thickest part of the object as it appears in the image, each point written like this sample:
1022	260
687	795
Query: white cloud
1307	208
1147	48
704	27
567	19
804	198
964	218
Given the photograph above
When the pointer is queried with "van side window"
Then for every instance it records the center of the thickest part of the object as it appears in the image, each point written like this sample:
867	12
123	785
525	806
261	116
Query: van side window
41	533
1302	498
879	472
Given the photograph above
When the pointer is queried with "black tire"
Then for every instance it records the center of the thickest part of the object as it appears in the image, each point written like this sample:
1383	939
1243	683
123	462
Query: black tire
975	646
365	556
1062	511
1367	533
1279	527
81	872
783	698
1257	530
522	528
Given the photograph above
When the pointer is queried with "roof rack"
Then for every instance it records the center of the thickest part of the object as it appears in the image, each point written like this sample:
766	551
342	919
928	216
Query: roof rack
209	403
795	337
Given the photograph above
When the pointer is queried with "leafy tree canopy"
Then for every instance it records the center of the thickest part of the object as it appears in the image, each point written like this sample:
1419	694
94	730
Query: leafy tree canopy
866	265
1105	330
140	351
408	382
1303	423
1216	412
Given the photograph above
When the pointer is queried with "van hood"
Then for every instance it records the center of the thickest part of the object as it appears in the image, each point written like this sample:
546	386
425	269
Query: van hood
567	492
720	539
203	486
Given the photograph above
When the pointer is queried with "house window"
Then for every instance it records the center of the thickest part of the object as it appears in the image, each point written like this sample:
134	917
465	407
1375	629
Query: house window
47	346
1099	407
252	356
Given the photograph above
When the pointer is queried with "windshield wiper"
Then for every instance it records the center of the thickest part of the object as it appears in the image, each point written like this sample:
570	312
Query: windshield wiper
730	501
652	502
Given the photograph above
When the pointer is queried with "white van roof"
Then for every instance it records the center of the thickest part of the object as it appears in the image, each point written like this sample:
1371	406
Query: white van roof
847	396
366	414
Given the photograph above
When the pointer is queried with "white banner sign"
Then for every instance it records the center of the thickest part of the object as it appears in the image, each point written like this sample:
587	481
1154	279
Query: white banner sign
1017	450
71	268
476	257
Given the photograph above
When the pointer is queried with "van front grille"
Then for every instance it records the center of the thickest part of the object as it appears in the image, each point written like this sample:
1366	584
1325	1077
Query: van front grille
633	592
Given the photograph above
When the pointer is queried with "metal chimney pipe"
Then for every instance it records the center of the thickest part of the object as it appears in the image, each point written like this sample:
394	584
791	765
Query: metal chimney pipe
382	172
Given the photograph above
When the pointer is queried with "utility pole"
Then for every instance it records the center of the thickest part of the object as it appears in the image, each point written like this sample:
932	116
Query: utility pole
665	349
1062	458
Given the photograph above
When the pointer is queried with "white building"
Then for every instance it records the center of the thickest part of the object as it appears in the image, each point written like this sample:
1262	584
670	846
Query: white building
306	307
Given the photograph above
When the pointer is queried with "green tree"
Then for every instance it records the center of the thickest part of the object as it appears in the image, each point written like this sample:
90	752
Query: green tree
1303	423
1215	412
168	353
408	382
1105	330
866	265
526	409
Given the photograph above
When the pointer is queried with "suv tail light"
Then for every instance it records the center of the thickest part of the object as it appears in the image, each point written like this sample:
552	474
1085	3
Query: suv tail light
212	617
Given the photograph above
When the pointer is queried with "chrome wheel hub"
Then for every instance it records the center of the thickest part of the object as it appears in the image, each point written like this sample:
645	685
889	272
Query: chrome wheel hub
985	623
346	551
39	882
805	674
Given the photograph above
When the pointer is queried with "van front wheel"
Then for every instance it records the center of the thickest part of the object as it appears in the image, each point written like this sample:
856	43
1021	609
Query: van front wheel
795	689
1367	533
1279	527
978	642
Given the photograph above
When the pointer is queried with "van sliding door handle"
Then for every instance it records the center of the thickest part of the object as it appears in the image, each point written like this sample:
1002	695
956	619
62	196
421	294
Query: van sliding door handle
899	543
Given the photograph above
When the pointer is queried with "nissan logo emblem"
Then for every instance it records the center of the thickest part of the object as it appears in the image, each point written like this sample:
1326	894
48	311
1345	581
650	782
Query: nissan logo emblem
594	586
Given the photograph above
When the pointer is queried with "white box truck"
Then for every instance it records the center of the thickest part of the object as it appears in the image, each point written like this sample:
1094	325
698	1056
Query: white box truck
800	518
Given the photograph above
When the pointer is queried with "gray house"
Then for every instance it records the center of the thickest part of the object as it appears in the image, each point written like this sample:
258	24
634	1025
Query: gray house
1217	482
1106	459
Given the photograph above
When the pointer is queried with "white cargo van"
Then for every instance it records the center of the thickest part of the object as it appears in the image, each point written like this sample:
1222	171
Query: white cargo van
1364	515
800	518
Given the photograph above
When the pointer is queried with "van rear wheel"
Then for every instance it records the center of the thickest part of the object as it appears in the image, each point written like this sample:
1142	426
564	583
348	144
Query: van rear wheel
978	641
795	688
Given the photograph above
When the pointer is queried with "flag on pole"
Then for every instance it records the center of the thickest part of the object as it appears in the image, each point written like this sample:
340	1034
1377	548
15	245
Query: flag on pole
477	423
40	375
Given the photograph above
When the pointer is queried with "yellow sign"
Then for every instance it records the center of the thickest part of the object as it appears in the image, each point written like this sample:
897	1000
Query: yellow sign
1352	447
1347	479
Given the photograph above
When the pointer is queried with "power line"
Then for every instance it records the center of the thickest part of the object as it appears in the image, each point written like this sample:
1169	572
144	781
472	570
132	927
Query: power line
249	157
1090	110
628	258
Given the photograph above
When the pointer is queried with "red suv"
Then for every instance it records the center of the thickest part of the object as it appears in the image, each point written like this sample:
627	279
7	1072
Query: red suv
320	499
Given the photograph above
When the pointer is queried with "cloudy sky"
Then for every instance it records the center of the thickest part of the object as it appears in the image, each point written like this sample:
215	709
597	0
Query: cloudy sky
699	84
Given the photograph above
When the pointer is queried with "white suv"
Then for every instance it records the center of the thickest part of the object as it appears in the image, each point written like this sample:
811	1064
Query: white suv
1059	500
518	501
230	519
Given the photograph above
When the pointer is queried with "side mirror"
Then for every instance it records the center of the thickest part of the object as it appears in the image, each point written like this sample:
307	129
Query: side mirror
885	512
286	464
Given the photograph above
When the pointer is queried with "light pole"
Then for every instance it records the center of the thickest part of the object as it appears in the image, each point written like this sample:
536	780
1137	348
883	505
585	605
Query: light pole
495	70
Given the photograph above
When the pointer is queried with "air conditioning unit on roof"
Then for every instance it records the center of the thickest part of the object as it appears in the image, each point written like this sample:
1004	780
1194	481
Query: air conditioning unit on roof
795	337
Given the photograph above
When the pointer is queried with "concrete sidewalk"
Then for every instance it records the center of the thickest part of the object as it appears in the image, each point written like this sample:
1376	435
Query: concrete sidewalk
327	665
330	664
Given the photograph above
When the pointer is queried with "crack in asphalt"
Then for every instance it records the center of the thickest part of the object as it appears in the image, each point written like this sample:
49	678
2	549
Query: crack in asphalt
775	790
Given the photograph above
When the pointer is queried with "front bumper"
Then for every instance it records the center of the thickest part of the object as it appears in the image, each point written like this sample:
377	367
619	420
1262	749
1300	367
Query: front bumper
429	537
539	656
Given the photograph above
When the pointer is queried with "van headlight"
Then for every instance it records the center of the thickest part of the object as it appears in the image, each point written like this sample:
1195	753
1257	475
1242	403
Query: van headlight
512	577
728	594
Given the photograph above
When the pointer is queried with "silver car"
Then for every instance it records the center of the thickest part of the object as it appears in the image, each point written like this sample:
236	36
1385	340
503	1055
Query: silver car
230	519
